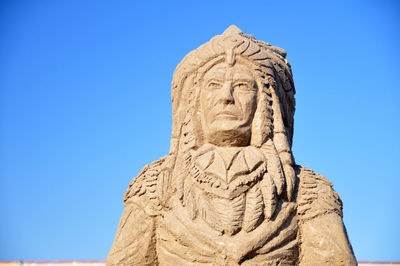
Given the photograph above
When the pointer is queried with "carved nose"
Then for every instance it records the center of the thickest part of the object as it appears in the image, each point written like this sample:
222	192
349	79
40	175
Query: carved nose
227	93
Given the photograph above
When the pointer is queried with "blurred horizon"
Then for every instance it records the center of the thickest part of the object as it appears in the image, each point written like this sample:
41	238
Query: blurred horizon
85	105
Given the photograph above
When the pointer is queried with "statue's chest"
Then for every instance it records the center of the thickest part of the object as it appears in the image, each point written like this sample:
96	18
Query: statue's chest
228	207
226	219
182	240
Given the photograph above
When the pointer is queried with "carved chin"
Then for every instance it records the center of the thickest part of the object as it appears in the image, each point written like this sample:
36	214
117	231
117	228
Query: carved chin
233	137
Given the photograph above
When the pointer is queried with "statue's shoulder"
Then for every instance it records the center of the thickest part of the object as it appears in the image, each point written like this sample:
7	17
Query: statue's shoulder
149	188
315	195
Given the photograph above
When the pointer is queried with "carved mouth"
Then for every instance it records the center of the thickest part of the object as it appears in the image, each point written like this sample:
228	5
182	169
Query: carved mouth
226	115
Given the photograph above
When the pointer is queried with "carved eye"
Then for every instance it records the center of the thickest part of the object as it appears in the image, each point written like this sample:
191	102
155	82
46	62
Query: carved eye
213	85
243	86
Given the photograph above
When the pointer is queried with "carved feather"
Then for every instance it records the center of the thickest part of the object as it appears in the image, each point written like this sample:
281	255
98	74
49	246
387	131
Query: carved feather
254	209
179	184
189	199
290	180
268	191
207	212
163	184
230	213
274	166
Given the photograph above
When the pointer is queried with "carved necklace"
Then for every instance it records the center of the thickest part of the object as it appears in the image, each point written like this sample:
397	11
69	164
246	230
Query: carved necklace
225	178
224	189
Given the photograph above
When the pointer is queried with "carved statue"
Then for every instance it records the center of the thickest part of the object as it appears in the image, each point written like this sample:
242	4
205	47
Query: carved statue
229	191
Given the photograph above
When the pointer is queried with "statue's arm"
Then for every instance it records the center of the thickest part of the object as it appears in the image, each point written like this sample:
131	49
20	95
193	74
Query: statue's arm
134	242
324	241
323	236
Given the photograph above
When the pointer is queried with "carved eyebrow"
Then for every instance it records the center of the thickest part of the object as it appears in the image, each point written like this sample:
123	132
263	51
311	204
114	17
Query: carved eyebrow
247	81
214	80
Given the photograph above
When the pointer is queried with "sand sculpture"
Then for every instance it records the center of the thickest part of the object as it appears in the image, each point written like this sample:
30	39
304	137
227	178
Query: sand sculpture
229	191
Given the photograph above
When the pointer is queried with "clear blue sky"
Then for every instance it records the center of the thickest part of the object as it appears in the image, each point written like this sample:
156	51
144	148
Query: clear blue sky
85	104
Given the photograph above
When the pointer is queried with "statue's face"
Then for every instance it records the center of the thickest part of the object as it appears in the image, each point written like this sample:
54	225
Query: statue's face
228	102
